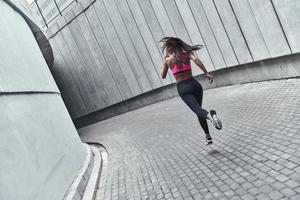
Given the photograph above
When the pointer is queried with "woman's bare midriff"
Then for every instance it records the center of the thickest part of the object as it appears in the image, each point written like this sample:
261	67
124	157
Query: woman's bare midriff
183	76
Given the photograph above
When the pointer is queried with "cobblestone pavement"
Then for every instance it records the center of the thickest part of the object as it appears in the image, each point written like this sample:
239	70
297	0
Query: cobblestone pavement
158	152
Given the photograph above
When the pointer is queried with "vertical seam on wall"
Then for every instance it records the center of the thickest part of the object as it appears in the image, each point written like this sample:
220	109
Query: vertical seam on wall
82	58
161	54
124	50
153	40
185	25
162	2
182	21
176	35
64	63
229	1
163	30
226	31
93	61
287	41
204	43
114	54
108	42
262	36
88	20
139	58
153	64
213	34
82	98
120	44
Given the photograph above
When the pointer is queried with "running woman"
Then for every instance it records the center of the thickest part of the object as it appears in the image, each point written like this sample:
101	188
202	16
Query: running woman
178	60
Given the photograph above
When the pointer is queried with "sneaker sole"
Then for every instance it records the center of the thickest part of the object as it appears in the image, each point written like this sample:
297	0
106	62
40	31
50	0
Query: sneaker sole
216	121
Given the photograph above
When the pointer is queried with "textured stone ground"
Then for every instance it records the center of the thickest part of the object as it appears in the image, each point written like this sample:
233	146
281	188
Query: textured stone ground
158	152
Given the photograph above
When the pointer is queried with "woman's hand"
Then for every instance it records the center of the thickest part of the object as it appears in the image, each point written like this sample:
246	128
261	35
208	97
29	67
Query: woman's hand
210	77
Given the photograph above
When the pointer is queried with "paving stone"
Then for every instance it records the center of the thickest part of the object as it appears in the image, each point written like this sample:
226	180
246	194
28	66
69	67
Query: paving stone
275	195
296	197
287	192
248	197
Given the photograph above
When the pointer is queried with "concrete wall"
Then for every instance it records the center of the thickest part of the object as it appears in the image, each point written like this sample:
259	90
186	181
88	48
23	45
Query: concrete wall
40	150
106	51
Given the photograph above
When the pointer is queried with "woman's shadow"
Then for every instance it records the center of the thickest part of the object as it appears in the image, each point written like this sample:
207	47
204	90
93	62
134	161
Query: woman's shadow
214	153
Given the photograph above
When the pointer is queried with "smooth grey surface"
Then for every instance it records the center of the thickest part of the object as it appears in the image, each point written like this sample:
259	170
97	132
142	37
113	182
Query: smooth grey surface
20	56
40	150
289	15
21	6
72	92
219	32
159	152
272	32
123	67
113	56
233	31
121	38
249	27
99	66
146	68
131	73
149	40
207	34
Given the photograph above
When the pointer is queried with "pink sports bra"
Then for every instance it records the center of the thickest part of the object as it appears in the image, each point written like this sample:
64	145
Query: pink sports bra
185	67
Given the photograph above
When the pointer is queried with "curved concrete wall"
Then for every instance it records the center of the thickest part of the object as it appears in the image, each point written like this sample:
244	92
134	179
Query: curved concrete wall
106	51
40	150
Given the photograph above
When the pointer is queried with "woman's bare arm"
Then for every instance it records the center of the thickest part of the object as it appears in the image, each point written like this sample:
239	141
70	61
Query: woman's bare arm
165	68
198	62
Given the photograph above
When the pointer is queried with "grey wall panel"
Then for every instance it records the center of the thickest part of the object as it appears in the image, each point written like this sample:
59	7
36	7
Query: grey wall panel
151	20
289	15
65	82
113	54
99	67
270	27
219	32
38	138
23	60
176	20
88	88
164	22
96	96
71	70
207	34
121	51
148	39
155	28
250	29
195	35
147	68
233	31
129	49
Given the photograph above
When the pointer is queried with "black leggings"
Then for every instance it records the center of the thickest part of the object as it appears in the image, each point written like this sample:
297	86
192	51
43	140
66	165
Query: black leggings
191	93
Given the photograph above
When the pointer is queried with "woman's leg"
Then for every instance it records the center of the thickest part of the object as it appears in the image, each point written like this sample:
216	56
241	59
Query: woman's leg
194	105
199	96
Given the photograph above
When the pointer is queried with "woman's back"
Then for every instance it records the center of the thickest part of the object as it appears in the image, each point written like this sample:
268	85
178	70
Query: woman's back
180	67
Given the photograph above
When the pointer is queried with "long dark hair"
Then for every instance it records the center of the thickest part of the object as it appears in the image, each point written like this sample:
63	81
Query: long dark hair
177	47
